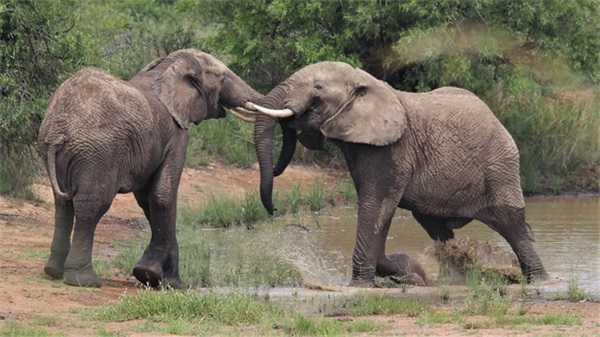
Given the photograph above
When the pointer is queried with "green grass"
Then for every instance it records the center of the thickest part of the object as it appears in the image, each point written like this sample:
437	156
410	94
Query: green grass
364	305
22	330
220	211
224	257
36	254
167	305
223	211
193	312
294	199
575	294
486	293
229	139
346	190
190	312
301	325
316	196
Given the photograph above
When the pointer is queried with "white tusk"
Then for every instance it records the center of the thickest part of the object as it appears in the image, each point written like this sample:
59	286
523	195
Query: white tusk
273	113
240	115
244	111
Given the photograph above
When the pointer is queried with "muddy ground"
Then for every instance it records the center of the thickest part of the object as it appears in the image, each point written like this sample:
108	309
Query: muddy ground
28	297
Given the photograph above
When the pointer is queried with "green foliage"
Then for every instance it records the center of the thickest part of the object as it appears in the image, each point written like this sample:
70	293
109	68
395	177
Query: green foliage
38	48
515	55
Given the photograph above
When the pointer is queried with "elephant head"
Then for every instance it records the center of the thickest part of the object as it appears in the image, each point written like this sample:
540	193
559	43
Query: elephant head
327	99
193	86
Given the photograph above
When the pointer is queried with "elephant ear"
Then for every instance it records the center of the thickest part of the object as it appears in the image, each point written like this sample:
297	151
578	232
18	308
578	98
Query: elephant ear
179	90
312	140
374	115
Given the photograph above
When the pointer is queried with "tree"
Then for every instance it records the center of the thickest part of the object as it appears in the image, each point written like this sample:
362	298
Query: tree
38	48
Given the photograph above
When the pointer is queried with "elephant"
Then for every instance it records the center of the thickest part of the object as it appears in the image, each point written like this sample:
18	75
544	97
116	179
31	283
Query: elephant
442	155
102	135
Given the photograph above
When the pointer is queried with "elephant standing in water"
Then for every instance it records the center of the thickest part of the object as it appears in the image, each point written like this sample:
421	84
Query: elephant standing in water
102	136
442	155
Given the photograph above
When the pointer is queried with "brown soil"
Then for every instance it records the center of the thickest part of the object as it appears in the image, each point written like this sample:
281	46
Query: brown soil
30	298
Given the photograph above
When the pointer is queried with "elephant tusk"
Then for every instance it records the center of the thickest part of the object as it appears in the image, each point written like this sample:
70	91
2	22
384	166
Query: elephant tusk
244	111
241	114
270	112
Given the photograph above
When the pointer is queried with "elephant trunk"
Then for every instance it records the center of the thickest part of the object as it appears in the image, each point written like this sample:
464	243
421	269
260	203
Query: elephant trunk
263	141
288	148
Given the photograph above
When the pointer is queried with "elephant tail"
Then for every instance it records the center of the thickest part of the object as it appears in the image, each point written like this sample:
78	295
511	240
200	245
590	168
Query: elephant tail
52	170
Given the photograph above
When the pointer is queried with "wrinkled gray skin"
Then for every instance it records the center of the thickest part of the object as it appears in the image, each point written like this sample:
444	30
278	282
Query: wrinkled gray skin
102	136
442	155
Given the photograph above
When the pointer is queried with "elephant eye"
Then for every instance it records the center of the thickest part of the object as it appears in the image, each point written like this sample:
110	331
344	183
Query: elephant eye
318	86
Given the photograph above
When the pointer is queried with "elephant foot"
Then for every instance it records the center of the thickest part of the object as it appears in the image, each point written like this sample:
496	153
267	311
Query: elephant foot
85	277
149	276
362	283
412	279
54	268
537	276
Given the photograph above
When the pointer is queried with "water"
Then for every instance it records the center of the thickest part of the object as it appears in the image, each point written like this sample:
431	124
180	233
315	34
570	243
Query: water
566	229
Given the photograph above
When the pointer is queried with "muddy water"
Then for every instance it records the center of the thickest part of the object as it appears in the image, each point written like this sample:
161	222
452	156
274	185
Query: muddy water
566	229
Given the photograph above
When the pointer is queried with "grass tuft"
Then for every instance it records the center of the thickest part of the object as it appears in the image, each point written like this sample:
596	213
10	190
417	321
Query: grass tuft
168	305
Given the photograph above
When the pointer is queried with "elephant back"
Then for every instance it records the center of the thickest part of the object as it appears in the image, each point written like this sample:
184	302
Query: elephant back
92	110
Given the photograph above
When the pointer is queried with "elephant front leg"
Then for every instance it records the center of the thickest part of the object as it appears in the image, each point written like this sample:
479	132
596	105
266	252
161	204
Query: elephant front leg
374	221
160	260
61	241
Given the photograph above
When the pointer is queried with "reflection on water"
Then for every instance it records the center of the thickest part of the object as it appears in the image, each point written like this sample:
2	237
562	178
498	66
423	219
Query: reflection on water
566	230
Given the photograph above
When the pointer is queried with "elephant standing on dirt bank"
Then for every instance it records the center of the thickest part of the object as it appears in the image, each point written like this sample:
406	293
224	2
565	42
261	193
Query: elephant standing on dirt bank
442	155
102	136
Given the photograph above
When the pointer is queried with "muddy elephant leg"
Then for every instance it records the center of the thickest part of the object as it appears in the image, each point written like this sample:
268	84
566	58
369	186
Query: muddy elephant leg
61	241
374	219
89	209
510	223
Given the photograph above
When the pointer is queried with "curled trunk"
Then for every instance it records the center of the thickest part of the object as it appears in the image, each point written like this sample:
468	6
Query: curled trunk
263	141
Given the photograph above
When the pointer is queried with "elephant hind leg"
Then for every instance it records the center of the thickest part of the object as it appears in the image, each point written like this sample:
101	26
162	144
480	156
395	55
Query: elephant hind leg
88	209
510	223
61	240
